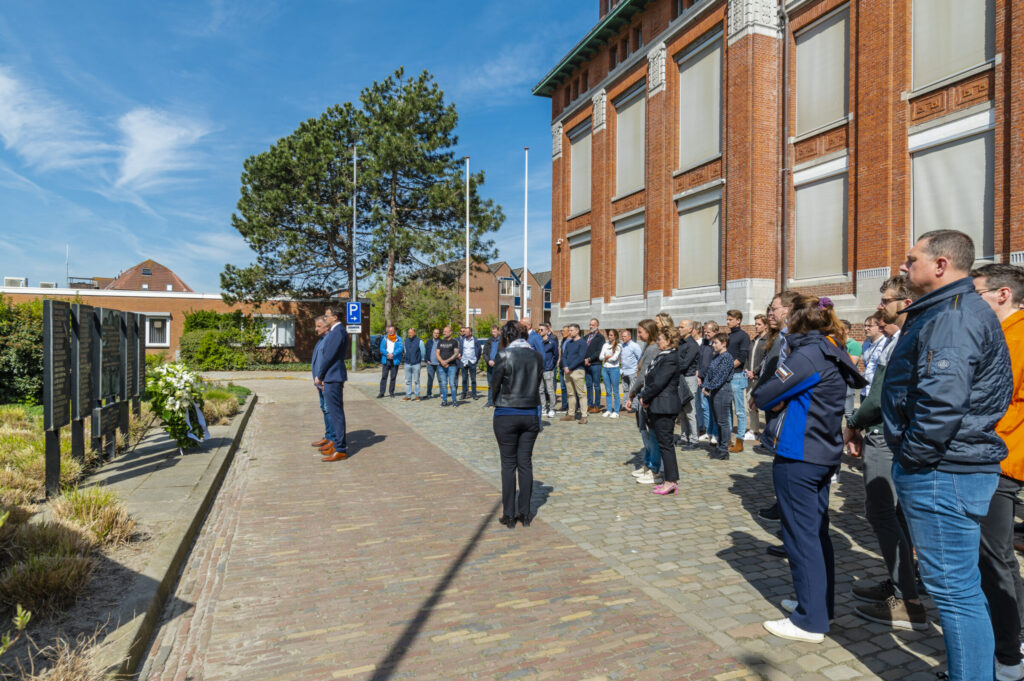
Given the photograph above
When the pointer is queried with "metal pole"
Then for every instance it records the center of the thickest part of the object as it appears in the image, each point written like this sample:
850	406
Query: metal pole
352	245
467	241
526	203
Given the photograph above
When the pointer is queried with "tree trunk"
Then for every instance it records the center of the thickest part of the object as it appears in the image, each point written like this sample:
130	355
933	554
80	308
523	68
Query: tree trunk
389	272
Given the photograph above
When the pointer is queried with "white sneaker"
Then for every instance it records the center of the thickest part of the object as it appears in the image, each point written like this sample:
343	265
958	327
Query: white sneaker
643	470
606	414
789	605
1009	672
788	630
551	414
749	436
645	479
703	438
714	440
614	415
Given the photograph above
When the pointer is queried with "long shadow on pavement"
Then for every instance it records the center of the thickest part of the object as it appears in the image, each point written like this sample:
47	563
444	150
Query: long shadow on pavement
389	665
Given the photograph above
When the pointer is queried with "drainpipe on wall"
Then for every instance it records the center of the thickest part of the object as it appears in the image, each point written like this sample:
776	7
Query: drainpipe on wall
785	172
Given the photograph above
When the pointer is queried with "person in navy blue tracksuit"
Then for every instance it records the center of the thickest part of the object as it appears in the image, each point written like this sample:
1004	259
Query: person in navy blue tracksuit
809	389
331	377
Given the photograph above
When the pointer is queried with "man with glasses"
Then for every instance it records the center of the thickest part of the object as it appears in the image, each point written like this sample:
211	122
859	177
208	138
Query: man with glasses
689	357
331	377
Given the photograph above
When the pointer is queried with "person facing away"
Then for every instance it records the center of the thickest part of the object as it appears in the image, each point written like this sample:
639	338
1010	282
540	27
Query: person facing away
515	394
948	383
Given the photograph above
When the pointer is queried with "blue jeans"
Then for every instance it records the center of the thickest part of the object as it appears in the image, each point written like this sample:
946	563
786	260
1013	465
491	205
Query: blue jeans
468	378
565	393
710	427
652	454
412	379
592	377
739	387
447	377
611	388
490	370
432	371
328	427
944	513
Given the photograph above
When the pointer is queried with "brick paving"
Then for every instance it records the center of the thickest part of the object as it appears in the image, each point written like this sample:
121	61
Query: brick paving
392	566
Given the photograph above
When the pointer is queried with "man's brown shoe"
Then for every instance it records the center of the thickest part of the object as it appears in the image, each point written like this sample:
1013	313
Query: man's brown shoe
567	417
736	446
406	399
335	456
319	443
583	420
329	445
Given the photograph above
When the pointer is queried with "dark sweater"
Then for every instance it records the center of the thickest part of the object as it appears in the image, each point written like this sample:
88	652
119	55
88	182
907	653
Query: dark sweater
573	354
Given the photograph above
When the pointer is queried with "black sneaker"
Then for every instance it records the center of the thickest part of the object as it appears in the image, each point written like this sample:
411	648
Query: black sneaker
771	514
875	593
895	612
778	551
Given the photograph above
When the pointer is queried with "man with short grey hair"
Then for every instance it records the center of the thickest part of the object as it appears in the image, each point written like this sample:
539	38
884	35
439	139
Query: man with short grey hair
689	358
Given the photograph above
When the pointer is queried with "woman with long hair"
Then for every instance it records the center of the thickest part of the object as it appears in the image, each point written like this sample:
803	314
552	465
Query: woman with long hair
650	472
611	365
663	319
514	392
808	391
660	399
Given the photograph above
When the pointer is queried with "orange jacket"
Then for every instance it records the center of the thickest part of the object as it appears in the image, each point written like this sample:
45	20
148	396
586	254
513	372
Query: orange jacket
1011	426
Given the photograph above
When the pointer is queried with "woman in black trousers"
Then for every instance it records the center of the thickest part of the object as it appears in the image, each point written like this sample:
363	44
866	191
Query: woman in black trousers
514	391
660	399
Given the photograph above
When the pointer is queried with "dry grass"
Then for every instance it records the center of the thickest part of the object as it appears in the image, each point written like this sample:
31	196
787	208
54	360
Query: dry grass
49	537
98	512
219	406
63	661
45	583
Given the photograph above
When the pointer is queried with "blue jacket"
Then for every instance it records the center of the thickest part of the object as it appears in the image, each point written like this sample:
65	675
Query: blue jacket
573	354
719	371
550	353
397	352
536	342
318	356
414	351
812	383
948	382
332	358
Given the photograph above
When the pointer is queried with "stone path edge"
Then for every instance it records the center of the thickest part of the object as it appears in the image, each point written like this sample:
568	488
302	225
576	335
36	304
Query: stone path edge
123	649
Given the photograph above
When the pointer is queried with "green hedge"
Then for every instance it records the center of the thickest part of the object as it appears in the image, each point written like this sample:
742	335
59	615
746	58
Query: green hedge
211	350
21	352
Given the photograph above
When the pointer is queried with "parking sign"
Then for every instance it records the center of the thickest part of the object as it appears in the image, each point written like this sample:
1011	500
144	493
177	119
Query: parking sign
354	313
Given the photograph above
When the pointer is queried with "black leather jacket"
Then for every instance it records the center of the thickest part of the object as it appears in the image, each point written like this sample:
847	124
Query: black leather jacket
516	377
661	385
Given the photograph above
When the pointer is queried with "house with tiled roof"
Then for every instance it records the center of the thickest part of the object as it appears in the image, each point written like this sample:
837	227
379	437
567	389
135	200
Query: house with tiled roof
148	275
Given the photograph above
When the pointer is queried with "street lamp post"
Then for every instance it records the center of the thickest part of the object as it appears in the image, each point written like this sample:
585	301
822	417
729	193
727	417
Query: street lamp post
526	203
467	241
352	245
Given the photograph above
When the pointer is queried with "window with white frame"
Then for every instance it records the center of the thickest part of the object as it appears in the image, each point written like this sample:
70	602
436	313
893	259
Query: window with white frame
278	331
952	186
822	73
950	37
629	256
580	164
506	287
700	228
629	141
158	331
821	227
579	267
700	103
503	313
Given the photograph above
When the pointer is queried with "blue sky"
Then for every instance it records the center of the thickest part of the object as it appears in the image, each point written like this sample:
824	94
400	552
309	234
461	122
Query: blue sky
124	125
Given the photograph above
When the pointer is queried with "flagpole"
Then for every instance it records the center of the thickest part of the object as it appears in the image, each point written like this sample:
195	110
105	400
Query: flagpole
526	203
467	241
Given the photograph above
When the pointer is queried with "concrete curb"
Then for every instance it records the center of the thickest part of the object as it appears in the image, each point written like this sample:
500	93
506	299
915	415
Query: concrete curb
122	650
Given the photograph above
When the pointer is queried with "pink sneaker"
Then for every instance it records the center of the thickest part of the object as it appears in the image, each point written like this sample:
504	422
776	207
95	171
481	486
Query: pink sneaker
666	488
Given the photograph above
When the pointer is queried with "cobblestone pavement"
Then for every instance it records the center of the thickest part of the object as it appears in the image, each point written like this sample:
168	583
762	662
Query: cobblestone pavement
391	565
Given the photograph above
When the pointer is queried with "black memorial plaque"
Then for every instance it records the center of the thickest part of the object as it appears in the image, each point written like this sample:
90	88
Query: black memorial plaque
104	420
129	355
106	354
140	344
81	361
56	364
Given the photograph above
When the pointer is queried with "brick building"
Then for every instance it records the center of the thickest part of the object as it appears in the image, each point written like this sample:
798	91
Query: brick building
495	289
707	153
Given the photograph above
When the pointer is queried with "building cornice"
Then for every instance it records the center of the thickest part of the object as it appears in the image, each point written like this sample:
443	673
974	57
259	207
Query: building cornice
115	293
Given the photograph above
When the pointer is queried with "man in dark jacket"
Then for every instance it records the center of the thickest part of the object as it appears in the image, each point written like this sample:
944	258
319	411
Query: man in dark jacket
321	330
948	383
574	353
331	377
490	355
689	357
739	348
430	357
707	353
592	365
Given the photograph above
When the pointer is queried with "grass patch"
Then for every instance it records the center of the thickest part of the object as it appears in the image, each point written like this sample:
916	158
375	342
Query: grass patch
98	512
66	661
45	583
240	391
282	366
49	537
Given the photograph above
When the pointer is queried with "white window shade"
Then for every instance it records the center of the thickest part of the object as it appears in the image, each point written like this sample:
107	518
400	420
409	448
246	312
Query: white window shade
700	107
953	189
579	272
821	225
629	262
278	332
699	239
158	331
579	190
822	68
951	36
629	146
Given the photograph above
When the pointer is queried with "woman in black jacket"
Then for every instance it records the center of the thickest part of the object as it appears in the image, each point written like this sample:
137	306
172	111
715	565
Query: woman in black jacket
660	399
514	392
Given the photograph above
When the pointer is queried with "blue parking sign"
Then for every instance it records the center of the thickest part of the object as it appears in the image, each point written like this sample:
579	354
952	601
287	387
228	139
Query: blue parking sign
354	313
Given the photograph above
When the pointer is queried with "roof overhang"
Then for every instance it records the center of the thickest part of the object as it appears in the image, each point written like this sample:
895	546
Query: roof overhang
598	37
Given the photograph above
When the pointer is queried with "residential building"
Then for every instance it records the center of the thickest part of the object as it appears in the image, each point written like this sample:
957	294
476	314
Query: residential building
707	153
495	290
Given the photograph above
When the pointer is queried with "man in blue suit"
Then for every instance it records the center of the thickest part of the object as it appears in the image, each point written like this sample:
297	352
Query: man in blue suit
331	377
321	330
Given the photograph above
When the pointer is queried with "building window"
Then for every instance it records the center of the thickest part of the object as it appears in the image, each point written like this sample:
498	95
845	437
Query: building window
504	312
638	38
568	96
170	287
677	9
506	287
629	142
586	81
700	103
821	228
700	228
950	37
629	256
147	272
822	68
579	268
611	57
576	88
547	296
278	331
158	331
953	189
624	49
580	164
145	287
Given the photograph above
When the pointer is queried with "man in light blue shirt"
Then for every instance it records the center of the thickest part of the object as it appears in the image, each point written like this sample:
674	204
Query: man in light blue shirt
629	357
468	360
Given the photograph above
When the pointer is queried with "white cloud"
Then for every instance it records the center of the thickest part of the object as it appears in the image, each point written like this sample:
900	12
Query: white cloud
43	131
506	76
155	146
219	247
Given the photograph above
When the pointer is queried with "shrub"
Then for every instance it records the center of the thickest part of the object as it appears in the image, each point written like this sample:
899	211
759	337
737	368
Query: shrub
219	406
21	351
49	537
211	350
98	512
45	583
